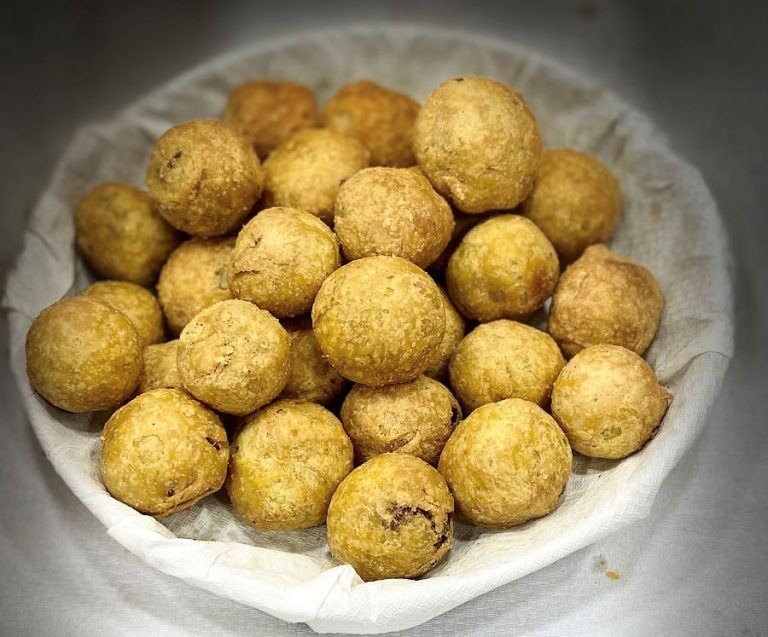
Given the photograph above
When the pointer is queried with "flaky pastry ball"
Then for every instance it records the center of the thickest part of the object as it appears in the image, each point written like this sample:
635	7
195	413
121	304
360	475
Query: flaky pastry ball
608	401
121	235
503	268
437	367
162	452
506	463
605	299
204	177
137	303
83	355
306	170
160	369
479	144
392	211
287	461
576	201
391	517
379	320
265	112
234	357
281	258
382	119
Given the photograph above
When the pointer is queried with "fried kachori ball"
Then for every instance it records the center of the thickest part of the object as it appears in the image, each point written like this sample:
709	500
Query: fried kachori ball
605	299
137	303
265	112
462	223
162	452
281	258
312	378
121	235
234	357
306	170
392	211
204	177
160	369
287	461
505	359
382	119
506	463
479	144
437	366
608	402
415	418
576	201
391	517
83	355
503	268
195	277
379	320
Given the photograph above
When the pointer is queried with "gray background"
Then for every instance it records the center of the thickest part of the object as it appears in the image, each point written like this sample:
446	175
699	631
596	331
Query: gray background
696	566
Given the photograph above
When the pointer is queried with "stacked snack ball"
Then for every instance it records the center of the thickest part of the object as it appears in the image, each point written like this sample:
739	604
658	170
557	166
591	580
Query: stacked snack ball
137	303
608	401
605	299
162	452
506	463
576	201
382	119
159	367
83	355
437	366
379	320
312	378
234	357
462	223
121	235
204	177
505	359
194	278
281	258
503	268
306	170
415	418
479	144
265	112
287	461
392	211
391	517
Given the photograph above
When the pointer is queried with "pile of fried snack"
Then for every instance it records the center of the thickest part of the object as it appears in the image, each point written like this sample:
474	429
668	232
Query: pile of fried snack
351	289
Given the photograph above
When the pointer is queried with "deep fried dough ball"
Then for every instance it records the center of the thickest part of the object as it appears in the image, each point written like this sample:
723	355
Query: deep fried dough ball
437	366
137	303
576	201
265	112
605	299
506	463
311	378
381	118
608	401
503	268
281	258
234	357
160	370
162	452
462	223
306	170
391	517
204	177
195	277
392	211
415	418
287	461
83	355
379	320
121	235
505	359
478	142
